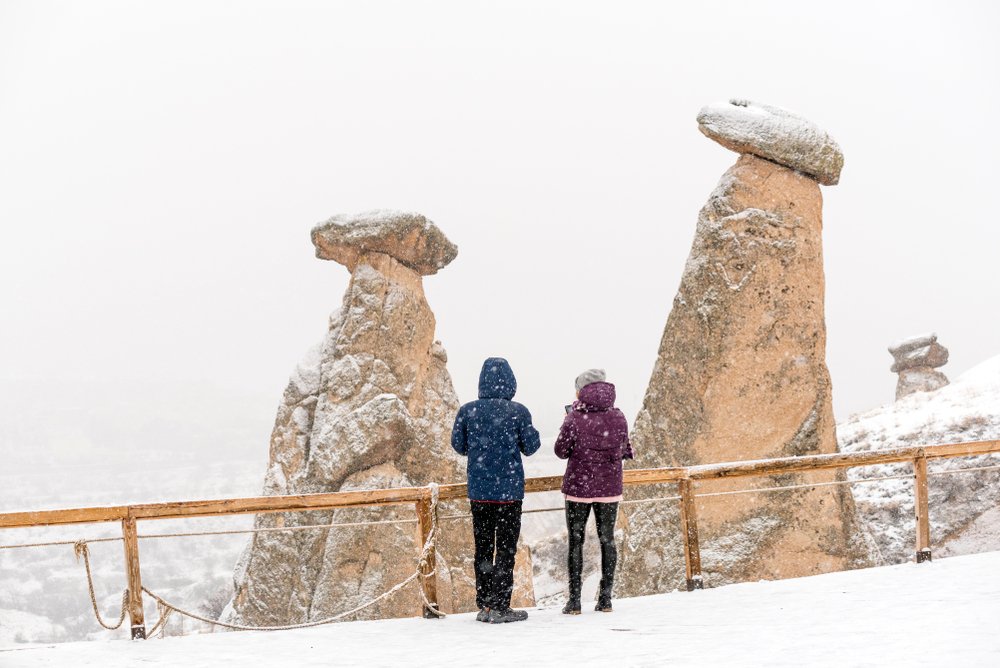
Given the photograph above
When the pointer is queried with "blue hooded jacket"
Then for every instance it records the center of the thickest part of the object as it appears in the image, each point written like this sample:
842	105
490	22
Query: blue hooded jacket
493	433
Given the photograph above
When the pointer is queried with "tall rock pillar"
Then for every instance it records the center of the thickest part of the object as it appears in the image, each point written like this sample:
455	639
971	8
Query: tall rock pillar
741	371
371	407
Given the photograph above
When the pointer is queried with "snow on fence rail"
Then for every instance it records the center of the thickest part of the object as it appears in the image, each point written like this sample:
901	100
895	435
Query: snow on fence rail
425	500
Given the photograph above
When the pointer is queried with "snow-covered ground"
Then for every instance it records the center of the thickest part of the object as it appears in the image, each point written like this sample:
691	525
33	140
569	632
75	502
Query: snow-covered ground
941	613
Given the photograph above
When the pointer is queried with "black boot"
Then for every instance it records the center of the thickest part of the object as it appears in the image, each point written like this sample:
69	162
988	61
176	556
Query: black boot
572	606
604	597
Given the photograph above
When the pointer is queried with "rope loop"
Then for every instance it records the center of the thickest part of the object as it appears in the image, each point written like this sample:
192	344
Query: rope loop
80	549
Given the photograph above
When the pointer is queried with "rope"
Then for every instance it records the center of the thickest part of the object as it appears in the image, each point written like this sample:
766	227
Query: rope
423	562
304	527
223	532
462	516
563	508
170	607
58	542
651	500
805	485
847	482
965	470
161	623
80	549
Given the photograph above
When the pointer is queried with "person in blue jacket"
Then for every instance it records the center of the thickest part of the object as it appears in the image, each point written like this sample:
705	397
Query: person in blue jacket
493	432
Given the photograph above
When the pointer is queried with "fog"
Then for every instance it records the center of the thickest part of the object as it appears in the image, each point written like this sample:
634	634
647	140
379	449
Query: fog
161	165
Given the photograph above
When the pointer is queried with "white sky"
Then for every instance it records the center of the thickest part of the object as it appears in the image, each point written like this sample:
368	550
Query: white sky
161	165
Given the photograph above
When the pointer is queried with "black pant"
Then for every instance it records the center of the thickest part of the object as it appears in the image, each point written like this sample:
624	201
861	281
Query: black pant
496	527
605	515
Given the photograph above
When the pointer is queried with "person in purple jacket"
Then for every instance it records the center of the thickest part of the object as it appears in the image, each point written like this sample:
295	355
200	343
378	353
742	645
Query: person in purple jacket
594	438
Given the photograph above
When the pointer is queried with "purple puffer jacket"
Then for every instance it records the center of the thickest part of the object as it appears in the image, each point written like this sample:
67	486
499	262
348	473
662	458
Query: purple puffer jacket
594	437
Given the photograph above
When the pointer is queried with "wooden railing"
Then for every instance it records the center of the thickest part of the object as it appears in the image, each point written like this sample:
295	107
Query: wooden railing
420	498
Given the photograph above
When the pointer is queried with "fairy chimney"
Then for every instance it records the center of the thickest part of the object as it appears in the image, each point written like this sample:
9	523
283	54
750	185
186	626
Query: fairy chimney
916	359
741	370
370	407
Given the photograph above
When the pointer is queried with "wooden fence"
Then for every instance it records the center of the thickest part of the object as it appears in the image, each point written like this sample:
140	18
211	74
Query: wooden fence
420	498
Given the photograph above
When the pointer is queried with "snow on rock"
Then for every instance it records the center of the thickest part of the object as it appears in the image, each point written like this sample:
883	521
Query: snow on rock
408	237
966	410
776	134
941	613
912	342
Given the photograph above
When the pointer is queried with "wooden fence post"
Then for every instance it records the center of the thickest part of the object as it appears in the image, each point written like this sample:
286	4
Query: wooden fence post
429	569
135	614
689	531
921	507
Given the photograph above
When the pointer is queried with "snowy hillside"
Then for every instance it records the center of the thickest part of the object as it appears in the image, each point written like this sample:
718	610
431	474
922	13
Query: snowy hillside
941	613
966	410
963	506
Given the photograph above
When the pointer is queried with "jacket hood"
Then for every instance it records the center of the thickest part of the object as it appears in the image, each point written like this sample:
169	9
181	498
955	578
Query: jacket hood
596	397
496	380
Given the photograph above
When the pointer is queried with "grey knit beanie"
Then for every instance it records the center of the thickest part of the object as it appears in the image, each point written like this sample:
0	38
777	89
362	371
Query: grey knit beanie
590	376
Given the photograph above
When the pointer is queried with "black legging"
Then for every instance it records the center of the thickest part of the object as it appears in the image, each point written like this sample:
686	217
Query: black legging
495	527
605	515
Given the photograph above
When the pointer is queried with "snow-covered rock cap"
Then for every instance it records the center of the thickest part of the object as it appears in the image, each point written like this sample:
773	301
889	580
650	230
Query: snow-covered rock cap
776	134
408	237
918	351
901	346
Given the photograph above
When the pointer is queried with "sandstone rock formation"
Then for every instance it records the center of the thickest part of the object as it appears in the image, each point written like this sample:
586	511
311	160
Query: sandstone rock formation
775	134
371	407
915	360
741	374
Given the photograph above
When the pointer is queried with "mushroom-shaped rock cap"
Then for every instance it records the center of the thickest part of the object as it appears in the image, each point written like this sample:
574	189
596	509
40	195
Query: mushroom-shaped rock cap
409	237
776	134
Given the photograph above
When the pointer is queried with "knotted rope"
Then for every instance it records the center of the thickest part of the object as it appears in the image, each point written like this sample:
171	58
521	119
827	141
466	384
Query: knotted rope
80	549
